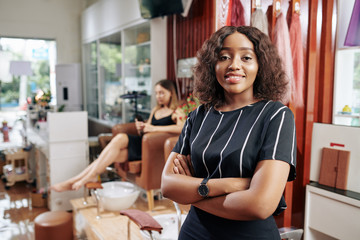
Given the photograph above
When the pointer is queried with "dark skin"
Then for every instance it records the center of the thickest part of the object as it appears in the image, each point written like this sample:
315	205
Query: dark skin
260	195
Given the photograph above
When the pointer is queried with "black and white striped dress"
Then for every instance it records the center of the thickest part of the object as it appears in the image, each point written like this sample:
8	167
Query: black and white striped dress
230	144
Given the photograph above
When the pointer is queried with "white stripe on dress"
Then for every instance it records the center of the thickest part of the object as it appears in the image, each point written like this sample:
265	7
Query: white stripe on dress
203	154
277	112
247	138
293	147
183	143
200	128
278	135
232	133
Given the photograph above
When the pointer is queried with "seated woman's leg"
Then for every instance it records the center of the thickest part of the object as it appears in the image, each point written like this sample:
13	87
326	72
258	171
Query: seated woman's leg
114	151
111	153
67	185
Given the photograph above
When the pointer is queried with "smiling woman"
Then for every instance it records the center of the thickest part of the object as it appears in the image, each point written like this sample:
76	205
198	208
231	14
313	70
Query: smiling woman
239	146
236	71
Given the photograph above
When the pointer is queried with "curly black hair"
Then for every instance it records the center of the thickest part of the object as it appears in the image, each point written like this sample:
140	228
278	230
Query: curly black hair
270	83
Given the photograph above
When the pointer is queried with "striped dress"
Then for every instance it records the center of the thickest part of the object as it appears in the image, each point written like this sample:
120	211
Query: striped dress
230	144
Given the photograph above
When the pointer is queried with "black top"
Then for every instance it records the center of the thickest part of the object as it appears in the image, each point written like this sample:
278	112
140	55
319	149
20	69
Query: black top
231	144
134	145
162	121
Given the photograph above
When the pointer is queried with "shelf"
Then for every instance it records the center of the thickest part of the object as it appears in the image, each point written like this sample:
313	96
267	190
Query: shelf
143	44
348	115
137	66
346	193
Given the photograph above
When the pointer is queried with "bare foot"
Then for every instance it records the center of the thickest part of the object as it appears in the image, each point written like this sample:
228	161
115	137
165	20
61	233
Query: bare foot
77	185
62	187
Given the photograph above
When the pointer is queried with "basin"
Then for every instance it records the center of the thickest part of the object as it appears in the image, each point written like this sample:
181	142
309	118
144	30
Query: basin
169	223
116	196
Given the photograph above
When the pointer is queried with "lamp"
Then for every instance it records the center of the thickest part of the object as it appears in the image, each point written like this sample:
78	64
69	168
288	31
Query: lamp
22	69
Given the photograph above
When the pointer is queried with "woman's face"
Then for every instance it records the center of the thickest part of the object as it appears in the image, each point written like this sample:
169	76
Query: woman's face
162	95
237	66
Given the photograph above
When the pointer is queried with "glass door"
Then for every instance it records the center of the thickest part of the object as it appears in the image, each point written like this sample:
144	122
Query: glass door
137	72
91	76
111	87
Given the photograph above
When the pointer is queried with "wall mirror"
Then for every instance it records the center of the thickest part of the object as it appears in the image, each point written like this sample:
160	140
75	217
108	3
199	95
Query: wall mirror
346	107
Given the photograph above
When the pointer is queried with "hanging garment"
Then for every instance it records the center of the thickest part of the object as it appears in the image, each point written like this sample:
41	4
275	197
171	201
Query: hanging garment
228	16
282	42
353	32
259	20
297	59
237	13
222	13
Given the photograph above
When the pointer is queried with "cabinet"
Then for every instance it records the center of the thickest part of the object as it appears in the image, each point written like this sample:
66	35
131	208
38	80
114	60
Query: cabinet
137	76
122	53
332	213
68	86
61	152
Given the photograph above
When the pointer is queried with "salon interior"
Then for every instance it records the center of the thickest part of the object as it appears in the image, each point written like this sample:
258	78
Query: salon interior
75	72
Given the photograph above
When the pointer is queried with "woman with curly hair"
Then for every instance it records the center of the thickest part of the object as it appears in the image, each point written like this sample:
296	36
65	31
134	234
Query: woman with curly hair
238	149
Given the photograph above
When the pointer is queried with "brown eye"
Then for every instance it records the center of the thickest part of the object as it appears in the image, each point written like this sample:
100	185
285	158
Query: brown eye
247	58
223	58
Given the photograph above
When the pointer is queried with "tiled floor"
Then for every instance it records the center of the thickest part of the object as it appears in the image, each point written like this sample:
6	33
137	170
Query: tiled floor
17	213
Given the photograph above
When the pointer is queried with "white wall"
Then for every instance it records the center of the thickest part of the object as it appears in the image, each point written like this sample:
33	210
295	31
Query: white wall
58	20
106	17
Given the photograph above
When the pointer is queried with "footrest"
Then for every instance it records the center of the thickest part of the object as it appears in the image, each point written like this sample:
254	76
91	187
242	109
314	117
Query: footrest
142	219
93	185
291	233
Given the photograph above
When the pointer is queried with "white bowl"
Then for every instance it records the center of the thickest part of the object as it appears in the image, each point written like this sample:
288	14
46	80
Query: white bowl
169	224
116	196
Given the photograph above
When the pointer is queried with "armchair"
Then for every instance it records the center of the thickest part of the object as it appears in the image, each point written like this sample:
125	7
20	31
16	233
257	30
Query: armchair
145	172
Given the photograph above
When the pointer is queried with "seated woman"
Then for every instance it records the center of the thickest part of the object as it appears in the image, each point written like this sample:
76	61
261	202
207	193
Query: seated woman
165	117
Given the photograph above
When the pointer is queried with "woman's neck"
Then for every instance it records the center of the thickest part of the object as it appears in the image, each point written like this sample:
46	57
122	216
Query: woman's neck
236	102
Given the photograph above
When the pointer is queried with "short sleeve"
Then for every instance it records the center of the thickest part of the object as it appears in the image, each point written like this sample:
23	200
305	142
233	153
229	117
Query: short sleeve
183	144
280	139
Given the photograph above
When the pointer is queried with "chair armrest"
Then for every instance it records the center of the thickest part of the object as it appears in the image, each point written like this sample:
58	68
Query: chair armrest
104	139
128	128
153	158
169	145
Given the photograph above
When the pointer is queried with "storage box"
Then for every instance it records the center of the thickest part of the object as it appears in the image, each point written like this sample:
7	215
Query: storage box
334	168
38	200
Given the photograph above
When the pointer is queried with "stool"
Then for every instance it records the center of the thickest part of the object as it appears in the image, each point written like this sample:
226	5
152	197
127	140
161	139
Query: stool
54	225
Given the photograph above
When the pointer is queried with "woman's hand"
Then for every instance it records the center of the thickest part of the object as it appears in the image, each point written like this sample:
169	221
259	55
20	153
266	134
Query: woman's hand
139	126
149	128
183	165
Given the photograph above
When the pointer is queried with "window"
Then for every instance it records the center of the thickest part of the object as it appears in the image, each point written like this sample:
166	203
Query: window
347	87
118	75
40	56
